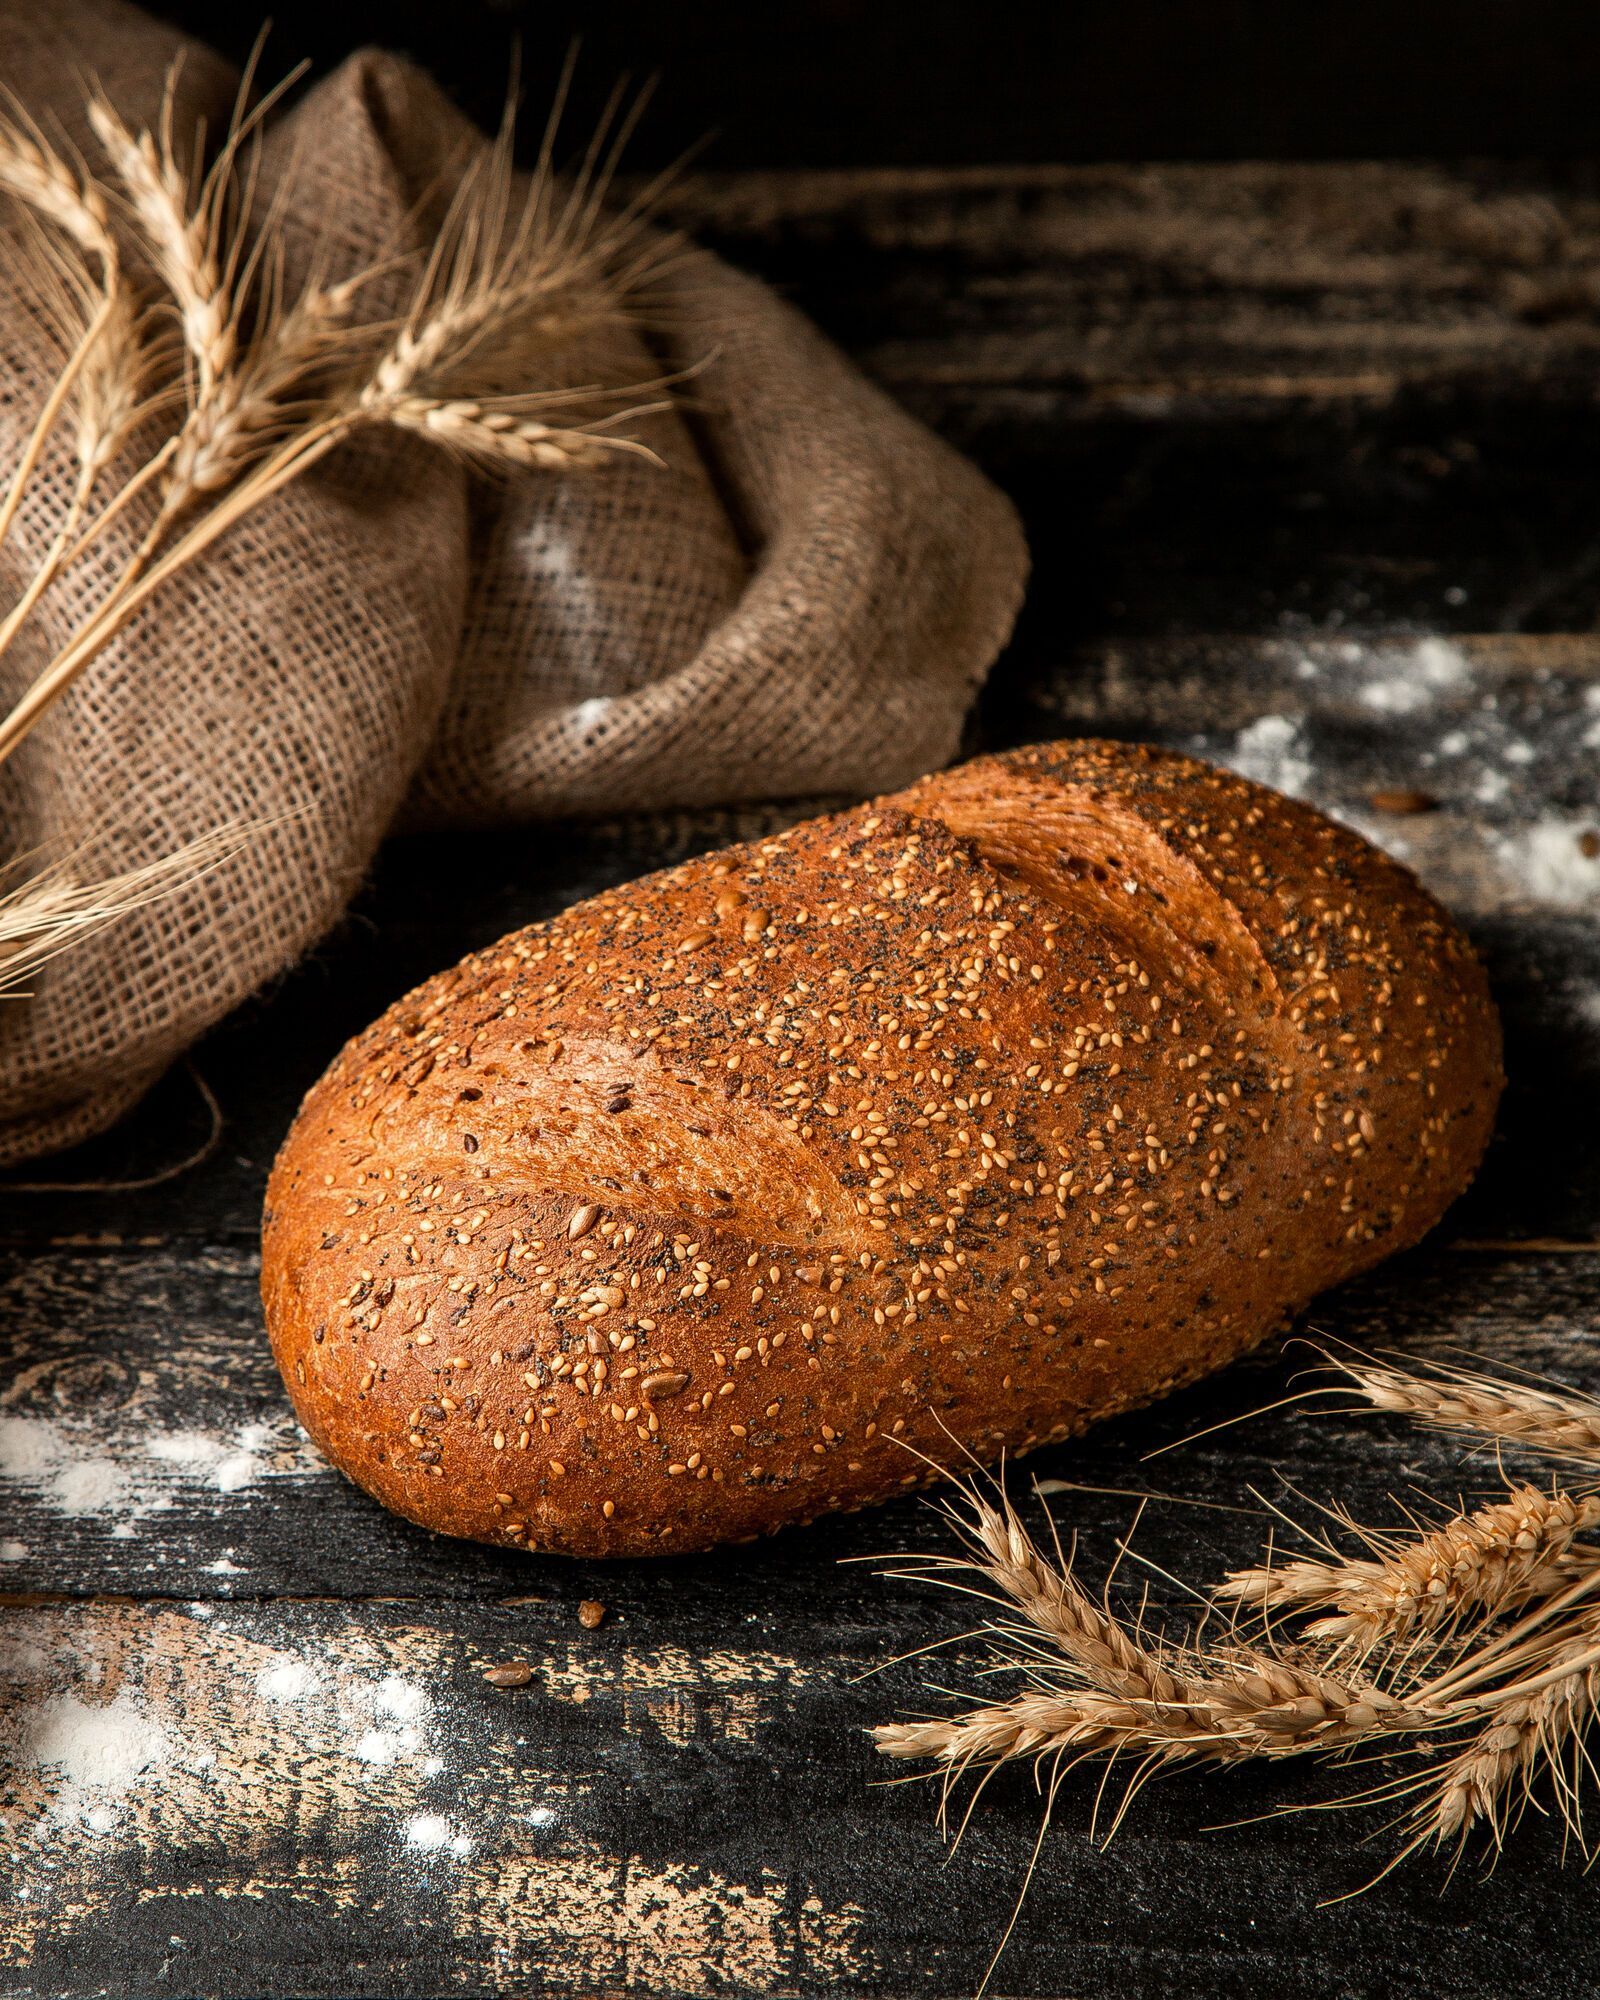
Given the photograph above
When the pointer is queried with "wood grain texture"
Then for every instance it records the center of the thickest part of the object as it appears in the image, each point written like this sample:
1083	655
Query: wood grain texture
1240	285
1307	461
856	81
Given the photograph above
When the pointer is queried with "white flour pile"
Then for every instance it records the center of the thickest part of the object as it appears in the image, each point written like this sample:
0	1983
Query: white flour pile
98	1754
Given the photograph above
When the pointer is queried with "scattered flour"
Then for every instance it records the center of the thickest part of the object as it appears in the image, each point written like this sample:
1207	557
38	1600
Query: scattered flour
22	1659
431	1833
107	1764
1407	680
228	1465
401	1698
382	1722
388	1720
66	1472
1547	862
387	1746
13	1552
75	1472
1272	751
1492	786
287	1679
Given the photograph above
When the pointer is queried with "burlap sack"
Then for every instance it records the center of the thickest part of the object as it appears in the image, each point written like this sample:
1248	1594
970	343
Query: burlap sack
804	600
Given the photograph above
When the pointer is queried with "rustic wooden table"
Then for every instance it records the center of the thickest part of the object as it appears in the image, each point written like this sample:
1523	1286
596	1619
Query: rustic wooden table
1308	461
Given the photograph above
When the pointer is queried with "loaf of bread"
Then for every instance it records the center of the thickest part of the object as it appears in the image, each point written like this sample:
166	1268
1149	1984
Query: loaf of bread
942	1126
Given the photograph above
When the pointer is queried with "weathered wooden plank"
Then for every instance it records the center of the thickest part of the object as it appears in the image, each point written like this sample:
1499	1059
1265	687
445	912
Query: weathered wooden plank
231	1792
320	1798
1442	511
146	1447
1229	394
878	80
1150	286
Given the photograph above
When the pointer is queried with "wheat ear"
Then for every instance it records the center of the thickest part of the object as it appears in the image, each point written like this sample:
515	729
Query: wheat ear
508	282
1529	1727
1117	1690
1563	1425
56	908
109	369
34	174
179	226
1475	1565
109	379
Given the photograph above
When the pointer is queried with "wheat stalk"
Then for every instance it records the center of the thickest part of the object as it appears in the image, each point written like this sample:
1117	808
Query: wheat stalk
1117	1690
1524	1734
34	173
109	378
51	191
1551	1423
180	227
269	385
115	363
503	437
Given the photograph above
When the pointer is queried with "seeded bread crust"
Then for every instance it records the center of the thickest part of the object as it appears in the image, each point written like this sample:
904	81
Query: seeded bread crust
951	1123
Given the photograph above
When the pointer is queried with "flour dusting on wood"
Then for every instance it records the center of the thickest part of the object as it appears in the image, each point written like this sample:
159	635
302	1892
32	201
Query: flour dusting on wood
197	1740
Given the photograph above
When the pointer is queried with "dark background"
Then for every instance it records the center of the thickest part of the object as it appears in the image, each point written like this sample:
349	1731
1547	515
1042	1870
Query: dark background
952	82
1246	416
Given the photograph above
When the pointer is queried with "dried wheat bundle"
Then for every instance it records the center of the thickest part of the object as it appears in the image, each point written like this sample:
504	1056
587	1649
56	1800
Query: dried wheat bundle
799	579
167	300
270	383
1468	1651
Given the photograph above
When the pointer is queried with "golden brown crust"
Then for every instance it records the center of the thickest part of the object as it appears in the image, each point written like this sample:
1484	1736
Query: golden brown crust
966	1117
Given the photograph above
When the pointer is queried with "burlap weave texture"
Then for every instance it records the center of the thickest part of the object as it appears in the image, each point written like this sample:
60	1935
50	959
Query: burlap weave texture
803	600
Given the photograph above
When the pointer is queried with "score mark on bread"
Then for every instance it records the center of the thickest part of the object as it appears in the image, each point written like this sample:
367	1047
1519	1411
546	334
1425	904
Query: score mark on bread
602	1121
